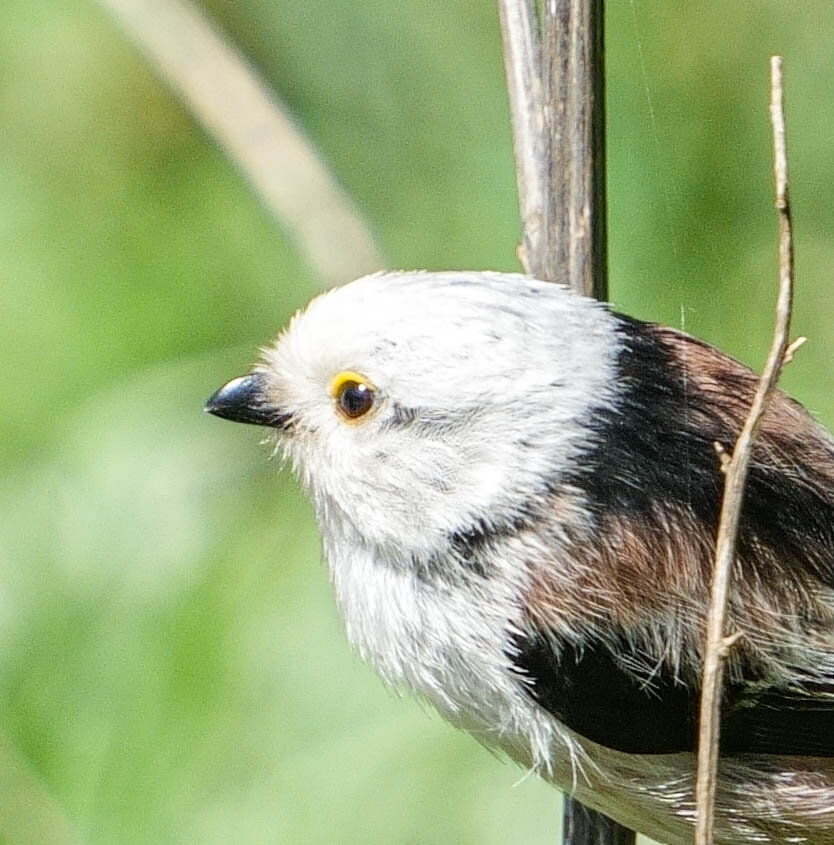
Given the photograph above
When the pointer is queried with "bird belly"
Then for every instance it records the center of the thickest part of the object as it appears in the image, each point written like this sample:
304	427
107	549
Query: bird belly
434	641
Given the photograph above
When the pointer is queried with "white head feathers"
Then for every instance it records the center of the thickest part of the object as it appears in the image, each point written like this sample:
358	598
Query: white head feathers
480	382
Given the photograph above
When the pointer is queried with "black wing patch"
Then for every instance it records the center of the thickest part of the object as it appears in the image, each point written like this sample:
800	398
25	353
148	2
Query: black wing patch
655	449
777	722
590	691
593	695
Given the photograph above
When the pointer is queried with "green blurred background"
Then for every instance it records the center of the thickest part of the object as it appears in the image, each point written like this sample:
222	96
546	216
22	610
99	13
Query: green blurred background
172	667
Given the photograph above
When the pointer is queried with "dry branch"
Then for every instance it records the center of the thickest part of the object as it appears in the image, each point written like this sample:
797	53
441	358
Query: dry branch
735	470
255	130
555	82
556	90
574	234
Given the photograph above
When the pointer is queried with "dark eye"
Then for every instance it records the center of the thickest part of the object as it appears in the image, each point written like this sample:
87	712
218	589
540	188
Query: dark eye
355	398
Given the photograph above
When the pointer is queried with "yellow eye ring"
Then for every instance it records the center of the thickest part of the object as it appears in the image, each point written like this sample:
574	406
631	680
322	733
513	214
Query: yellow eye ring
353	394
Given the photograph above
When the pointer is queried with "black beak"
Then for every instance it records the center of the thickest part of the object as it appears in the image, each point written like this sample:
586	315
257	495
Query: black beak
245	400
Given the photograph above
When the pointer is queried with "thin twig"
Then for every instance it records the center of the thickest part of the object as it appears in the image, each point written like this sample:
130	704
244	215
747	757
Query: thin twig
225	94
522	64
736	471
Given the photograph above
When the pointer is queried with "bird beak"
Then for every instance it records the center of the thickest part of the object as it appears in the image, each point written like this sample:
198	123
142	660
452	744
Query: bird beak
245	400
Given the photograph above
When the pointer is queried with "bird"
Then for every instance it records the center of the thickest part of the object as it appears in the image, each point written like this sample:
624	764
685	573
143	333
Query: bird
517	490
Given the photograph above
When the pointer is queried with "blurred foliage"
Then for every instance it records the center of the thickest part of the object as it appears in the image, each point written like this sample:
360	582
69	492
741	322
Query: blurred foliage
173	669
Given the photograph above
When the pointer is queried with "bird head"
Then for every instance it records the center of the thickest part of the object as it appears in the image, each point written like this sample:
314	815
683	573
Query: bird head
416	406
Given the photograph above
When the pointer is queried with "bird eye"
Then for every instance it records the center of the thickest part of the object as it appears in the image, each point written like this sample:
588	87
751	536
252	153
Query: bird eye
354	396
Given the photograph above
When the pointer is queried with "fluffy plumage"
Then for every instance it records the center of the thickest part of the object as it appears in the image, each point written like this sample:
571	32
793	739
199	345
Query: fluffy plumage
521	530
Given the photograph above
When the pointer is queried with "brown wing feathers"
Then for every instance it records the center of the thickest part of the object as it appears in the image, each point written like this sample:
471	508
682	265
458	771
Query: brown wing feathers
652	482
